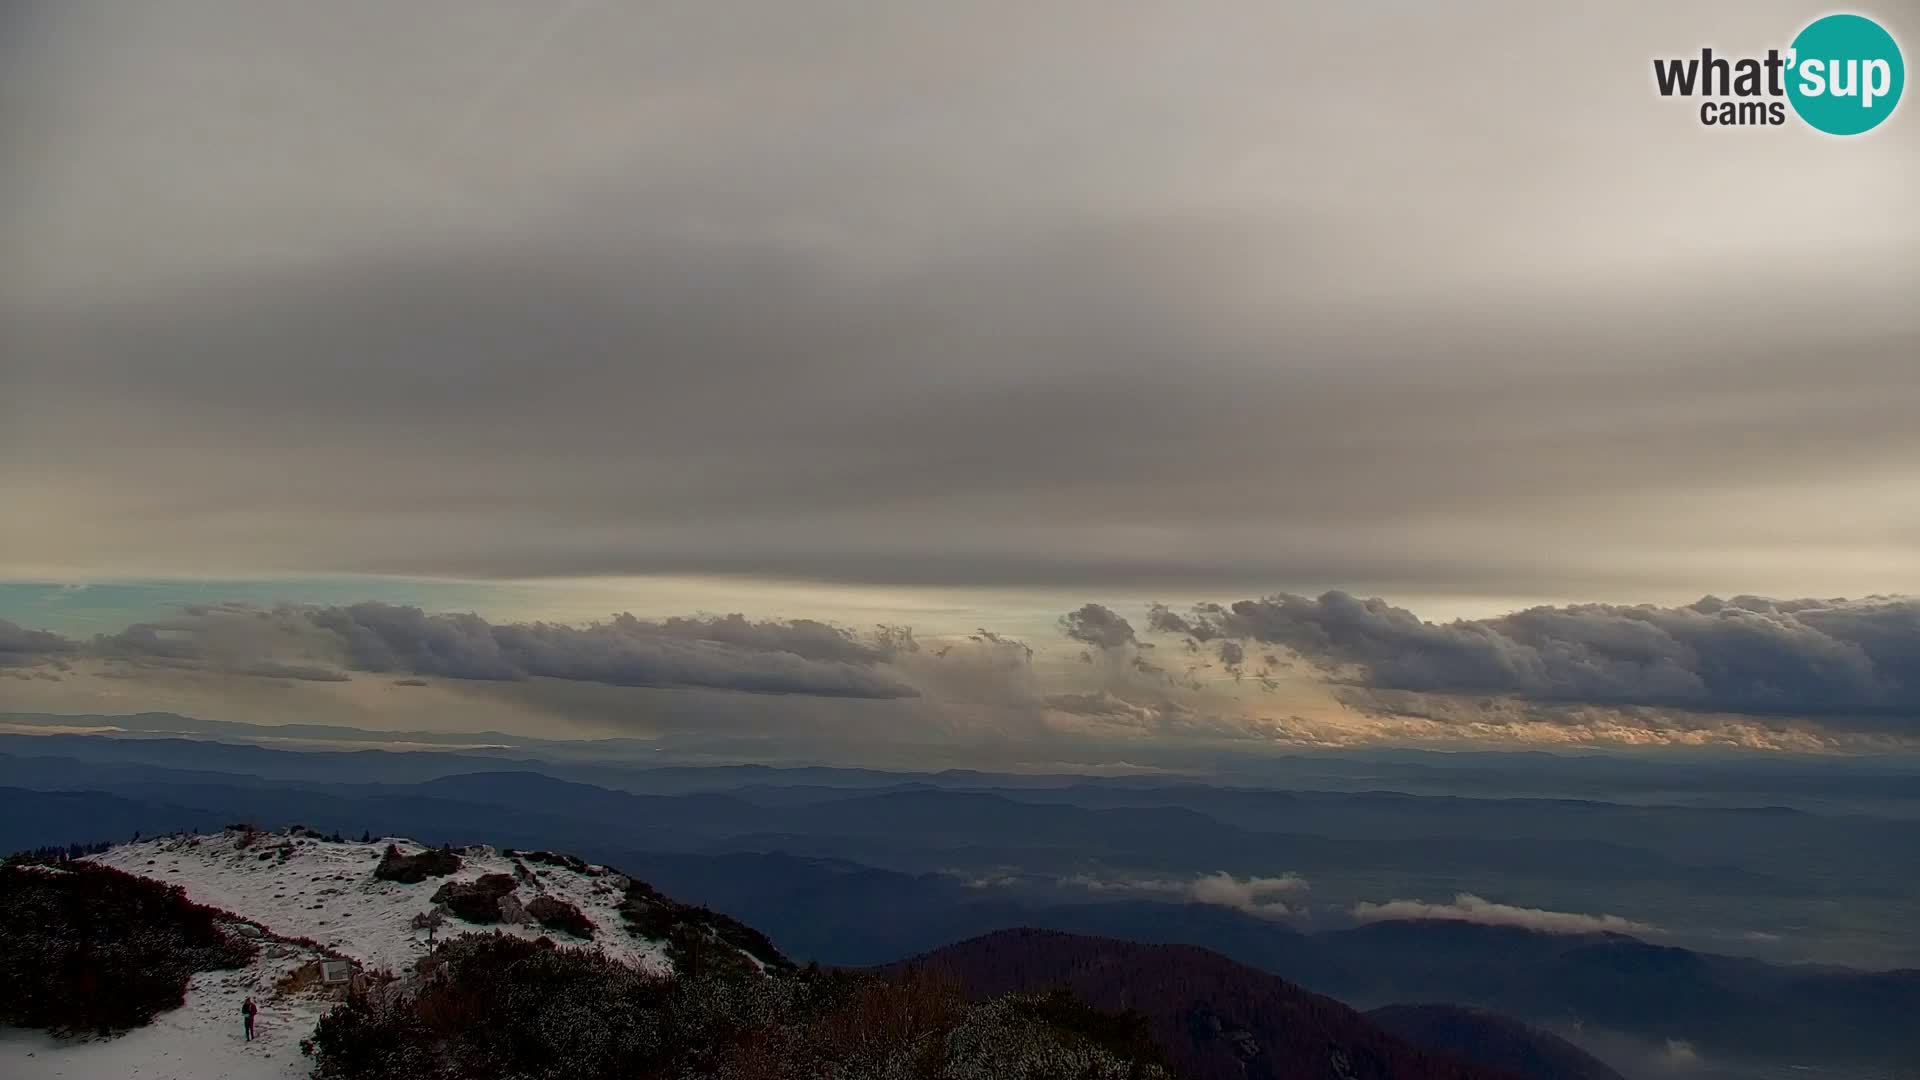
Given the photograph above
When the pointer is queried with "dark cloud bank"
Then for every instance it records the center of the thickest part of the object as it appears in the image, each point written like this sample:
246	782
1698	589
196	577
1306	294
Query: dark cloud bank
1846	666
799	656
1745	655
20	647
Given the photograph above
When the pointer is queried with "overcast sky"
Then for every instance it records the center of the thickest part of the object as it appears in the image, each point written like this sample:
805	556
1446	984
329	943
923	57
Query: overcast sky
954	314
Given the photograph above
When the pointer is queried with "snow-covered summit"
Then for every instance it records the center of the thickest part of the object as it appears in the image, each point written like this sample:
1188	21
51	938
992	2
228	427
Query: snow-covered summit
299	884
308	898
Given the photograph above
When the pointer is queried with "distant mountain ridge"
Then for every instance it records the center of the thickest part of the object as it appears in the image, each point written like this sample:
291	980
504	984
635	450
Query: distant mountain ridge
302	899
1487	1038
888	867
1886	779
1214	1018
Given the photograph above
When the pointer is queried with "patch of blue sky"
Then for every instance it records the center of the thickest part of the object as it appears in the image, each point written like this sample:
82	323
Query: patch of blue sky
105	607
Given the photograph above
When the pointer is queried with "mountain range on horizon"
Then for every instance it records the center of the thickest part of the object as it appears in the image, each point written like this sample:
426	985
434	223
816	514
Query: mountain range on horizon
300	897
821	869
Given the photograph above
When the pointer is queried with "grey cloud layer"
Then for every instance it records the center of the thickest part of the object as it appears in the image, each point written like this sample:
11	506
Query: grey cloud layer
1805	674
986	677
984	293
1856	660
314	644
20	646
985	684
804	657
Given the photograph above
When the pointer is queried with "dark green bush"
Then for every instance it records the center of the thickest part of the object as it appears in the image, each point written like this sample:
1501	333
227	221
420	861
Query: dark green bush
476	901
492	1005
496	1005
88	948
556	914
693	933
414	869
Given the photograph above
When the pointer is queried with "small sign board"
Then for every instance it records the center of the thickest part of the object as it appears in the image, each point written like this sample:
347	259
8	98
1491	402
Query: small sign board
336	972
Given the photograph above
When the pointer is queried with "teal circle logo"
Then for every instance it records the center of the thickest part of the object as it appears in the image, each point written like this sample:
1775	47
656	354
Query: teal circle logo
1845	74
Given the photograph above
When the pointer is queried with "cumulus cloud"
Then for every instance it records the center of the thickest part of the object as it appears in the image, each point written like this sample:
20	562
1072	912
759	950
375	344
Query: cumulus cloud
1202	626
153	643
1266	897
1466	907
979	685
1207	624
809	639
982	668
1099	626
1808	675
1132	690
804	656
1121	657
1233	657
1748	654
315	643
21	647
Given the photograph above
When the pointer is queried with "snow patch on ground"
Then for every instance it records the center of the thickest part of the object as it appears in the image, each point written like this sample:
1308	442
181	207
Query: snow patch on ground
326	891
320	890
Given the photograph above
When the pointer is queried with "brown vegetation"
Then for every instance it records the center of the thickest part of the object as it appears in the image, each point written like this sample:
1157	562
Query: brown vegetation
89	948
556	914
1214	1018
414	869
476	901
495	1005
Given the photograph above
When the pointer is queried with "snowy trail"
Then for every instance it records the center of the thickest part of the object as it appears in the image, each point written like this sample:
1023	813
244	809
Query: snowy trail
201	1040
